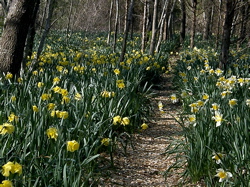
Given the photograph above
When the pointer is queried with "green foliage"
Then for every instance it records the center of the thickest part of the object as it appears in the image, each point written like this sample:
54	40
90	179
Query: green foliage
215	120
59	115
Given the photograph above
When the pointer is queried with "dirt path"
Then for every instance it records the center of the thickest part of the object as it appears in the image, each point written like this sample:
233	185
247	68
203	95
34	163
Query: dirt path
144	165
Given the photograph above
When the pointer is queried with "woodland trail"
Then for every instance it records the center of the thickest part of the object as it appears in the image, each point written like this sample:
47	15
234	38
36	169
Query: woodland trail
145	163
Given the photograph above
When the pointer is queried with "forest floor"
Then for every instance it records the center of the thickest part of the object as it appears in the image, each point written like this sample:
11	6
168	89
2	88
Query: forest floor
145	163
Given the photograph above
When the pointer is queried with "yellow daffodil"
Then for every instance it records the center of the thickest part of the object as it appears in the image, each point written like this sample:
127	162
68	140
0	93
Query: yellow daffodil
51	106
6	183
13	98
78	96
7	128
144	126
52	133
40	84
11	167
45	96
9	75
72	146
35	108
105	141
117	119
117	71
125	121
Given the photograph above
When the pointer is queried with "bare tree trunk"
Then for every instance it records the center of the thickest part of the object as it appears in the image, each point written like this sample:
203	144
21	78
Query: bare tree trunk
230	9
183	21
207	6
126	15
124	44
193	29
110	17
161	24
244	19
14	35
69	20
144	26
31	34
47	28
218	25
154	29
170	22
116	24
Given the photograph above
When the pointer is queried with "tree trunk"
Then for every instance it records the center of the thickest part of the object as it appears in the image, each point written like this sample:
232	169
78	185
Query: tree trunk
218	25
110	17
116	24
47	28
207	5
183	21
230	9
14	35
161	24
154	29
144	22
124	44
31	35
193	29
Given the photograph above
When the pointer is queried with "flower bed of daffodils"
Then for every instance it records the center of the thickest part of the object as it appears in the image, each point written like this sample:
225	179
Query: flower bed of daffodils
70	106
215	119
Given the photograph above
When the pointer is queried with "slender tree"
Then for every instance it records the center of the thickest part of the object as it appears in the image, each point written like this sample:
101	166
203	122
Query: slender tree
183	21
154	29
116	23
51	6
193	29
227	28
14	35
110	17
144	22
129	17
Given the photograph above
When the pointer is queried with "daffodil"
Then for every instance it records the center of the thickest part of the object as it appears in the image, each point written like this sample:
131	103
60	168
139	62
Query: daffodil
232	102
144	126
52	133
223	175
72	146
217	157
35	108
51	106
9	75
218	118
6	183
117	119
117	71
125	121
205	96
173	98
215	106
78	96
7	128
40	84
11	167
105	141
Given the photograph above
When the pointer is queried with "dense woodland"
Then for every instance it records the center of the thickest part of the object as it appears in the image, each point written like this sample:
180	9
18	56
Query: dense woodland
225	22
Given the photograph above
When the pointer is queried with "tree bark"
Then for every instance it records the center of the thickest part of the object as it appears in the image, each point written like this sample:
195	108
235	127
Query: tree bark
154	29
183	21
144	22
207	5
116	24
124	44
193	29
230	9
110	17
47	28
31	34
14	35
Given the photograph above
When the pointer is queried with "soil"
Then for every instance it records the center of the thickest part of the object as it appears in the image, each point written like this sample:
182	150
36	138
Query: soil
144	163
